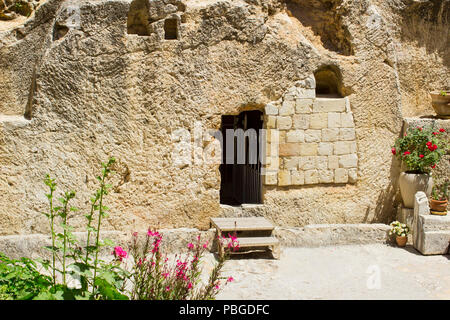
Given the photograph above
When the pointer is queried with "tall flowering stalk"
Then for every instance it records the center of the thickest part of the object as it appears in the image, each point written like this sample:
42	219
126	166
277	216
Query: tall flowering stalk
155	277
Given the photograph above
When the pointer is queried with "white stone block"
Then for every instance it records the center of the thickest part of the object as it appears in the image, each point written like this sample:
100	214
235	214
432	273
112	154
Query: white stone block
271	109
334	120
322	162
313	135
291	162
353	148
284	123
271	122
301	121
341	147
287	108
347	120
329	105
270	178
333	162
295	136
340	175
307	163
306	93
352	175
308	83
325	149
318	121
347	134
284	178
348	161
311	177
303	105
330	134
297	178
326	176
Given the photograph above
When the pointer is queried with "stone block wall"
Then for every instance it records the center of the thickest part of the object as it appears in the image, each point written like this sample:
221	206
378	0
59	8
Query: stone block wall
310	140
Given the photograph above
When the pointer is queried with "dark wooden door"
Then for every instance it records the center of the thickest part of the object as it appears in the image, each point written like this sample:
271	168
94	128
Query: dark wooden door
241	180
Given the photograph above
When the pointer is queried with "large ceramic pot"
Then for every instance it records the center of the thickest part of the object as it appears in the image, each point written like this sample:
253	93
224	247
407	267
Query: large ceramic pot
411	183
441	104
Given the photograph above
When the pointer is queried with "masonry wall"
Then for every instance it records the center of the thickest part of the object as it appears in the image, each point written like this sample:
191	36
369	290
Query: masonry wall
100	91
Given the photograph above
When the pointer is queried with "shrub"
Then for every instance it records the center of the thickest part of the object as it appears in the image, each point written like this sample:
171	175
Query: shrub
420	149
154	277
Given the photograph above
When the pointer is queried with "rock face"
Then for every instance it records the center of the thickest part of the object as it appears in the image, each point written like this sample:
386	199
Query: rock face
84	80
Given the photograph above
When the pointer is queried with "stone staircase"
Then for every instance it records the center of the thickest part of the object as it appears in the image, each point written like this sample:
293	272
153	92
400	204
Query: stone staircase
431	233
252	233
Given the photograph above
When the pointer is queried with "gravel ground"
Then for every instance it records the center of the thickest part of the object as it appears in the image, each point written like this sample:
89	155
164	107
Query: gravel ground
338	272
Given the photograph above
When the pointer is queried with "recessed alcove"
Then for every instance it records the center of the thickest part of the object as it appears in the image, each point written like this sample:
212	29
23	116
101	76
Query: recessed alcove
171	29
328	82
138	19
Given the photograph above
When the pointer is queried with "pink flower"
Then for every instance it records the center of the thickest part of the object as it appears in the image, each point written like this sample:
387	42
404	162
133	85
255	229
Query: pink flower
230	279
119	253
205	245
217	287
189	285
190	245
167	288
135	234
150	233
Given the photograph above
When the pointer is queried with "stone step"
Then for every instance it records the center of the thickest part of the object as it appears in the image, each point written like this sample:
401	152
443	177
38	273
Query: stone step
241	224
434	242
245	242
435	222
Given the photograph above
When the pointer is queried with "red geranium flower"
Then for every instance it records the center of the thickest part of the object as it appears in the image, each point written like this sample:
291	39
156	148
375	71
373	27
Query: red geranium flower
433	166
406	153
441	130
420	155
435	133
394	151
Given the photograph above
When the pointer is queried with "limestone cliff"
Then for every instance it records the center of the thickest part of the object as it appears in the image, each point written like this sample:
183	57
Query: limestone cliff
83	80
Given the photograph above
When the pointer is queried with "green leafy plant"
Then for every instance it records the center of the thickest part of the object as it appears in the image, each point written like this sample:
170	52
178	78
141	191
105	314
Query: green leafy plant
399	229
97	279
440	191
21	280
421	148
443	93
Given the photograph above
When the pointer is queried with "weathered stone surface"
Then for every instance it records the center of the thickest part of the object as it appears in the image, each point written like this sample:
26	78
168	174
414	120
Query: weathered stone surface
98	90
301	121
325	149
329	105
316	235
303	105
297	177
341	175
296	136
313	135
284	123
318	121
311	177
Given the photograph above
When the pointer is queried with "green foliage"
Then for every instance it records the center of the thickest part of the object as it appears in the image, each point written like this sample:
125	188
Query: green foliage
443	93
440	191
421	148
21	280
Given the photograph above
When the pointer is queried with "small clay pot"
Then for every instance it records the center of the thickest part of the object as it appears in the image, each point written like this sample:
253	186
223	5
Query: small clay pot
401	241
437	205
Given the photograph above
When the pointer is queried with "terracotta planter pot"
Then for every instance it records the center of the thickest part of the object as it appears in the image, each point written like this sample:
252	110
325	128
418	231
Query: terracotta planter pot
410	183
401	241
437	205
441	104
